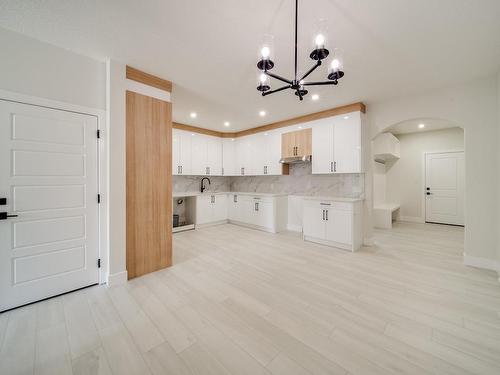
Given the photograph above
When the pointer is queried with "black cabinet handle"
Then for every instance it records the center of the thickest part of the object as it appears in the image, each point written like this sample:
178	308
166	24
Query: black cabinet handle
5	215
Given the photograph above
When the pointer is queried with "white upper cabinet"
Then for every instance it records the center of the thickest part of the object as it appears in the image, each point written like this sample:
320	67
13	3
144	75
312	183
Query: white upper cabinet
199	155
245	156
347	142
322	147
181	152
229	163
206	155
337	144
270	153
336	148
214	156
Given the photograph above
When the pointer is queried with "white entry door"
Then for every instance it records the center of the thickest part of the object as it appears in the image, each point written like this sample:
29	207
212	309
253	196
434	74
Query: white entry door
49	178
444	188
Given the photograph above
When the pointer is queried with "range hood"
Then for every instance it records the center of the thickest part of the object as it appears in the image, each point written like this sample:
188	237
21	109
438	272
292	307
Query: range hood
296	159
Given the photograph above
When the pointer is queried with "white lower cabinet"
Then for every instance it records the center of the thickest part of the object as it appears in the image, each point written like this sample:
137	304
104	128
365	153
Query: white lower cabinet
261	212
211	208
333	223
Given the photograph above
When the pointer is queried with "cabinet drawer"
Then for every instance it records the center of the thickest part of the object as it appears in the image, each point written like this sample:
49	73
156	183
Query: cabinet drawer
342	206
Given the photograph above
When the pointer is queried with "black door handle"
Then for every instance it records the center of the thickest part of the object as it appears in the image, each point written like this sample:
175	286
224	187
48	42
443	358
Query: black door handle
428	193
5	216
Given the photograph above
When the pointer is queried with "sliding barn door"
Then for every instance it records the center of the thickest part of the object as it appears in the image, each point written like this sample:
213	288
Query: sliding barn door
149	184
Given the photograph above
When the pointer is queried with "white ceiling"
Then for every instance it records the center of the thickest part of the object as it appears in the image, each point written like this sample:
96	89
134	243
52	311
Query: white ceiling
209	48
412	126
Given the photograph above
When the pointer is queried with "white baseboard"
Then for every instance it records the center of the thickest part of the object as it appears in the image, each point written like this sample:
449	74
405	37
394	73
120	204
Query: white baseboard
412	219
118	278
483	263
294	228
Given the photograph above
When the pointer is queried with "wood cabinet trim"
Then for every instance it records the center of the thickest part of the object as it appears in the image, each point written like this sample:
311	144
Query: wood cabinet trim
148	79
355	107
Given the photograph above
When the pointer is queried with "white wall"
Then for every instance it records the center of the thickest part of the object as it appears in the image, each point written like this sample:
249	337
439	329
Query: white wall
34	68
117	182
405	177
473	106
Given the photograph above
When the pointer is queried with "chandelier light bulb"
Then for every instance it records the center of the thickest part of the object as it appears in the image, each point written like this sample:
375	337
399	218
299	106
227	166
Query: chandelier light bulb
263	78
335	65
265	52
320	41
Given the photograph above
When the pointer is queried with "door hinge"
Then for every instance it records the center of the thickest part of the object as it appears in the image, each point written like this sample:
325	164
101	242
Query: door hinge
98	133
98	198
99	263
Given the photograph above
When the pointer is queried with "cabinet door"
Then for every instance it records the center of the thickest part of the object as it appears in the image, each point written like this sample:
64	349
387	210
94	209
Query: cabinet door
176	152
199	155
219	207
264	215
273	144
204	209
245	156
185	153
314	220
234	207
288	144
214	156
347	144
229	161
322	145
260	157
247	209
303	139
339	226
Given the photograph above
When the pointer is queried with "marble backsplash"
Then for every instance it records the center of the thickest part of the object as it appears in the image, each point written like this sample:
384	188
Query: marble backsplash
192	183
300	181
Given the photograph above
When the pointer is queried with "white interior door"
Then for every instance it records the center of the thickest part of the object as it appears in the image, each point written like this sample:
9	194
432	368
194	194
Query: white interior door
444	188
49	177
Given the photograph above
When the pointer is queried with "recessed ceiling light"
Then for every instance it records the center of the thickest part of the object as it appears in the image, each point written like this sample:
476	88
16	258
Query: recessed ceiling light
192	134
300	127
346	117
226	123
266	133
193	115
262	113
315	97
421	126
232	139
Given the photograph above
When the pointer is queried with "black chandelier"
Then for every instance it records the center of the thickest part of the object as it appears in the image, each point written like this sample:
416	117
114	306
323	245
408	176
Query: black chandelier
298	84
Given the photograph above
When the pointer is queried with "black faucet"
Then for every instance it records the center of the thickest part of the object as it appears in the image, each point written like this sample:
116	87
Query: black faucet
203	188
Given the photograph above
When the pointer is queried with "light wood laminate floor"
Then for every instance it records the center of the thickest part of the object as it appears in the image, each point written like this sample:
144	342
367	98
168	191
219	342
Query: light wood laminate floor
240	301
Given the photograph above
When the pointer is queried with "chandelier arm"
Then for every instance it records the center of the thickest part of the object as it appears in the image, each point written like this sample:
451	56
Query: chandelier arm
278	77
319	83
273	91
296	21
318	63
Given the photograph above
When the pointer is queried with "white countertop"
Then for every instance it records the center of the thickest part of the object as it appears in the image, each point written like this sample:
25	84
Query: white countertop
308	197
197	193
330	198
